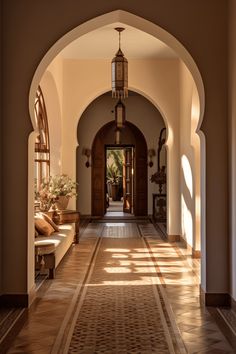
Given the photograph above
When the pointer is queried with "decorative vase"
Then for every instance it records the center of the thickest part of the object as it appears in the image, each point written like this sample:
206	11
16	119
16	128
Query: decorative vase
62	202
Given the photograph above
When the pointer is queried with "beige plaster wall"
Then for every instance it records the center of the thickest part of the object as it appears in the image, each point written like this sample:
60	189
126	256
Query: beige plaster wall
140	112
84	80
232	143
46	27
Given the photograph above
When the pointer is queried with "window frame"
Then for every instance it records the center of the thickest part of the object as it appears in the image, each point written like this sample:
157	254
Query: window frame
42	143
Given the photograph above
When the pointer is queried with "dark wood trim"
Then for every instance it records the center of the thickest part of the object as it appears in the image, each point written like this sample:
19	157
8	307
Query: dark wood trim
18	300
15	300
52	273
233	304
196	254
42	160
214	299
44	151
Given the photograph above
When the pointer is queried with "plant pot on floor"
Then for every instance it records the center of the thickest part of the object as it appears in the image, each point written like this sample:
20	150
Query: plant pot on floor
62	202
114	191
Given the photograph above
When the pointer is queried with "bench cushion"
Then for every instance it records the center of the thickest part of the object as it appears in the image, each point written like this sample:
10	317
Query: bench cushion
43	246
58	244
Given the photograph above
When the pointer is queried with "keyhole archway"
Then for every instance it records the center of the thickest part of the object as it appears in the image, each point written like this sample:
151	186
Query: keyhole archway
155	98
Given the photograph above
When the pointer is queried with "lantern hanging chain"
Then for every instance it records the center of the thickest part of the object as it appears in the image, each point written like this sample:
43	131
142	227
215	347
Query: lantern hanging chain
119	29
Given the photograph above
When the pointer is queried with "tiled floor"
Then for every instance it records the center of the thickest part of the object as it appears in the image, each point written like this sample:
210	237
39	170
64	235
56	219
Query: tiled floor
94	285
115	206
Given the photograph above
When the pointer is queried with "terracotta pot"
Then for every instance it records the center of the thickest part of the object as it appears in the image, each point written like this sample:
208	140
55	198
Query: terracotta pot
62	202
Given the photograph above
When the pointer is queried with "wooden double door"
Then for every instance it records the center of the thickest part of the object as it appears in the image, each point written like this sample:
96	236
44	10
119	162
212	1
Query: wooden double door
120	177
128	179
134	169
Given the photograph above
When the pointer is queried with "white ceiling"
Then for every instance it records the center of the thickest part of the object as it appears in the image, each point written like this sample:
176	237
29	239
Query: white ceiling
103	43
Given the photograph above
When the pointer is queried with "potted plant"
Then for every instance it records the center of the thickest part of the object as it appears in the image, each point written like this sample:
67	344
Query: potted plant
56	191
45	197
113	177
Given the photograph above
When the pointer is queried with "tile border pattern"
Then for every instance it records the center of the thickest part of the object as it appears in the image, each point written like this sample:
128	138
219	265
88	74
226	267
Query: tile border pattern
63	340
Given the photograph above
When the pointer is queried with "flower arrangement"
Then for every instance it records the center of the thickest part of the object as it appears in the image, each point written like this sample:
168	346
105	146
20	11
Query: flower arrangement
53	188
62	185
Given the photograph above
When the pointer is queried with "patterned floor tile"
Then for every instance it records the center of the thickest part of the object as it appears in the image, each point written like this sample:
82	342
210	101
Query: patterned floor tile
126	270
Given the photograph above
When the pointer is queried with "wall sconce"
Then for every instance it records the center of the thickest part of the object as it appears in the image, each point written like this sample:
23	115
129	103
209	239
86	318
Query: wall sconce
151	154
87	153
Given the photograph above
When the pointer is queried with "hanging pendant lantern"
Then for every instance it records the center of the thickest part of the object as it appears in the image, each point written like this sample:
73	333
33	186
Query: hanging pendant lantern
120	114
117	136
119	72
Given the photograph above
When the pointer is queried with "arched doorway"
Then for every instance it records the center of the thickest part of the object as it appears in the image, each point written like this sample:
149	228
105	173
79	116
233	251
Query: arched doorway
131	136
155	96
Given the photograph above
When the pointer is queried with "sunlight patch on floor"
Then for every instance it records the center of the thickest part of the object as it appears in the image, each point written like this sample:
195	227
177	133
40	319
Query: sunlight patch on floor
116	250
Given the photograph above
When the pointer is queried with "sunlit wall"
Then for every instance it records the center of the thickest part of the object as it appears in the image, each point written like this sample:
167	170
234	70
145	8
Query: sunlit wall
190	172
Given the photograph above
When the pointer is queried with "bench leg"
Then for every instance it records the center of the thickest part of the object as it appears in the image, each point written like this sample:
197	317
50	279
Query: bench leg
51	273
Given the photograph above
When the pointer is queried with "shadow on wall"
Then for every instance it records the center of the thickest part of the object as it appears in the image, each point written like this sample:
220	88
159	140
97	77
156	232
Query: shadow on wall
187	201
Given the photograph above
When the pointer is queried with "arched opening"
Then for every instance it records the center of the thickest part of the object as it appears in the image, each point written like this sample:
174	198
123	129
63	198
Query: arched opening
154	94
131	136
141	113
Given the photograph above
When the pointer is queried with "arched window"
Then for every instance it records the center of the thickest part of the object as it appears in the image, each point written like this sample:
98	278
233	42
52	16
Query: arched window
42	147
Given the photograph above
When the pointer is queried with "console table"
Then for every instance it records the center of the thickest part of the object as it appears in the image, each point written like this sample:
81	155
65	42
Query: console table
67	217
159	207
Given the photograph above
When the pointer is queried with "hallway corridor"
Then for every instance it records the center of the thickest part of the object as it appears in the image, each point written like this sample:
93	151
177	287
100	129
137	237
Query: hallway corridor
122	289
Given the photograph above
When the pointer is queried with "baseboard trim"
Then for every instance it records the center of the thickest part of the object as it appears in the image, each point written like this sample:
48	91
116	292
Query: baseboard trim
15	300
233	304
196	254
18	300
214	299
173	238
179	238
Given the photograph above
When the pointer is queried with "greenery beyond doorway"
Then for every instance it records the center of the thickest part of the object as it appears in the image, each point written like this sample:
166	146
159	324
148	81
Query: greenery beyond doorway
114	173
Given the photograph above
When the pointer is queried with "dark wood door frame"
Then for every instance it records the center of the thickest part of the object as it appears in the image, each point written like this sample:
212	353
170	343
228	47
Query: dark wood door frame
123	147
133	136
128	179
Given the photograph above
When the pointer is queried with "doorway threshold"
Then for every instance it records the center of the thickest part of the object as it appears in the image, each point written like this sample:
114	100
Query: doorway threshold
121	217
118	214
